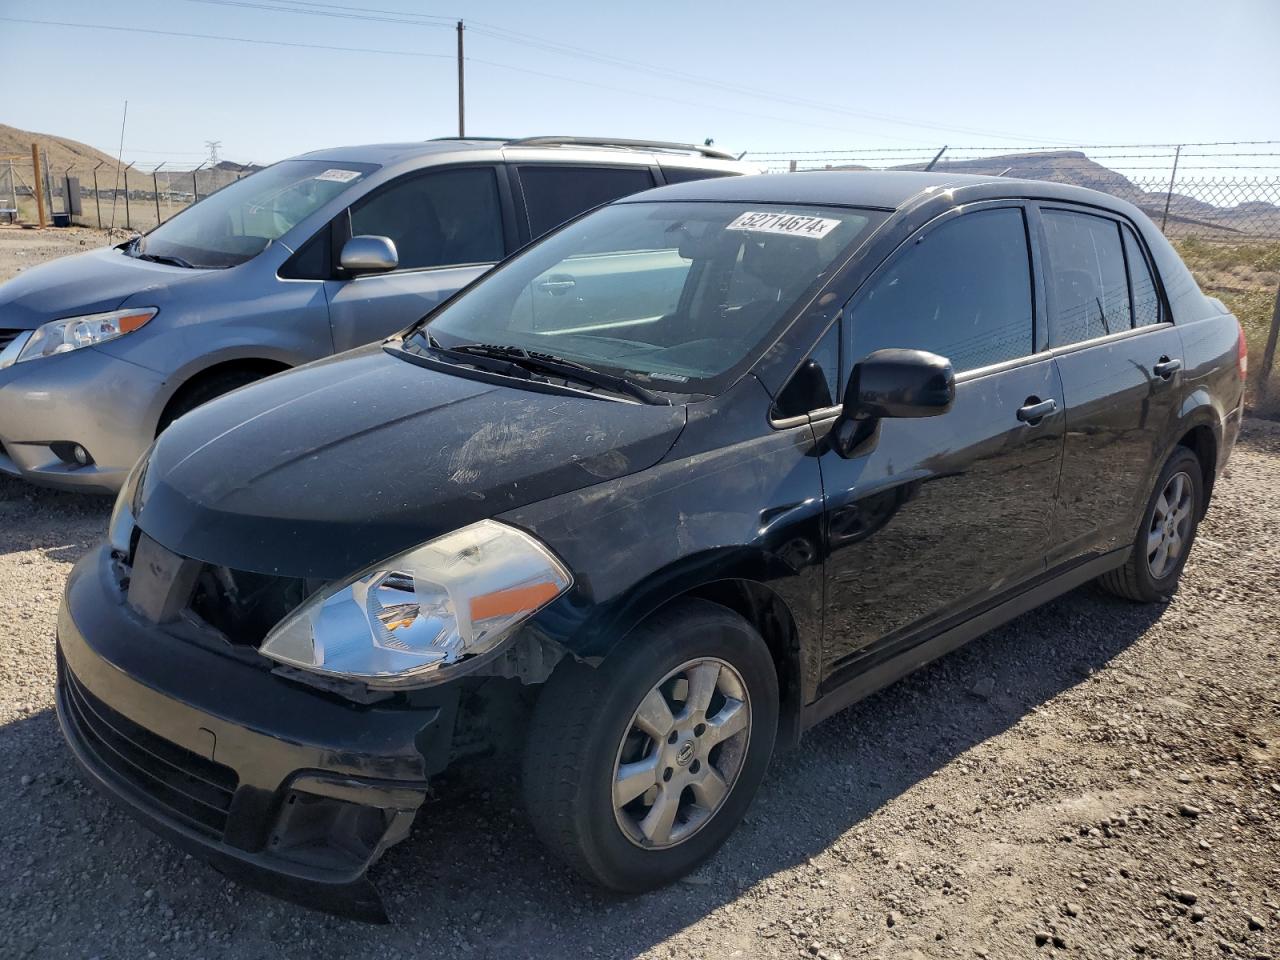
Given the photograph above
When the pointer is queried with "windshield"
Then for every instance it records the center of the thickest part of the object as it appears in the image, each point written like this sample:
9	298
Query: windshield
675	296
239	221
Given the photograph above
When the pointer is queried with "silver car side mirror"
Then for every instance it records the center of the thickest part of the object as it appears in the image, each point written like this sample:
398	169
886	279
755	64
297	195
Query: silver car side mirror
369	254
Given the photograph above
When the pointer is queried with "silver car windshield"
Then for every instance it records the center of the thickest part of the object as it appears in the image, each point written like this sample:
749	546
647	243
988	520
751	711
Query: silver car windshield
239	221
675	296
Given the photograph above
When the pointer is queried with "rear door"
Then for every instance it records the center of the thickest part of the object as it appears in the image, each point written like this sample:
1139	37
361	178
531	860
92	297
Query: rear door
940	516
1120	361
448	226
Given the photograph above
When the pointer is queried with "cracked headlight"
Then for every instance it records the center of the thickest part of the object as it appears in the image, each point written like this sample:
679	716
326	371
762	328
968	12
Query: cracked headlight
72	333
452	599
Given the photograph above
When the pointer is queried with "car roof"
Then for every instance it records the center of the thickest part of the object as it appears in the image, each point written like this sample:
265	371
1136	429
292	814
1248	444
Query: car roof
639	151
880	189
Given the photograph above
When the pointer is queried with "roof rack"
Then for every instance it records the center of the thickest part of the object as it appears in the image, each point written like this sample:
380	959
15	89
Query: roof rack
620	142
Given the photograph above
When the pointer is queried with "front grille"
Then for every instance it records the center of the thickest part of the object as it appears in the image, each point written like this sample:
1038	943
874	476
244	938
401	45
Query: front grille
244	606
7	337
192	790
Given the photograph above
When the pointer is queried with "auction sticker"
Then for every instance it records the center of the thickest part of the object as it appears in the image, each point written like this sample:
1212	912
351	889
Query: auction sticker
790	224
338	176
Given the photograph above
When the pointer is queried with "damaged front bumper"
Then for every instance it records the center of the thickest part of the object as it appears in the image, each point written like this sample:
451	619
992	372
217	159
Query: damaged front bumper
288	788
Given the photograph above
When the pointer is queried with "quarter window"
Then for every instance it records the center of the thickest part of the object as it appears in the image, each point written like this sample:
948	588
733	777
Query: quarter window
553	195
962	290
1146	297
1086	276
445	218
685	174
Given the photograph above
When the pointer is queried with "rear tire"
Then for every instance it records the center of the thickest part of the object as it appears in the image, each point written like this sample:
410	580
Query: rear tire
1165	536
200	392
637	771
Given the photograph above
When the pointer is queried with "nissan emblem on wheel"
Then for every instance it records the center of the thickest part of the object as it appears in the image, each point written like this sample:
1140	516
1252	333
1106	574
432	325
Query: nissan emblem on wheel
640	506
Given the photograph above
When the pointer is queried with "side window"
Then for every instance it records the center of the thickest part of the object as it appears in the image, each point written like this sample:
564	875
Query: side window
1090	293
553	195
962	290
685	174
1146	296
439	219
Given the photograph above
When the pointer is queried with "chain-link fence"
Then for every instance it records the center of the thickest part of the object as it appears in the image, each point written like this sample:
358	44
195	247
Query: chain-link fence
1218	202
128	198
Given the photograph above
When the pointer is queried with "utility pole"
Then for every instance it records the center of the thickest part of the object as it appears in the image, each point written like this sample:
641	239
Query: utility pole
462	123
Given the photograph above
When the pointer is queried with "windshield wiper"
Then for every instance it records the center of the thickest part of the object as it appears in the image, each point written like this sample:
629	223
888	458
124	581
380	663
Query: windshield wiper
556	366
163	258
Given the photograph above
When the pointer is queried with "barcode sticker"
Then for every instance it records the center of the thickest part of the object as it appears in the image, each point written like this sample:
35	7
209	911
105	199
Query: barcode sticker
790	224
339	176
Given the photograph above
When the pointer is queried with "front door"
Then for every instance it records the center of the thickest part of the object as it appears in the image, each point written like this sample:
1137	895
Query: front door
935	517
448	229
1121	367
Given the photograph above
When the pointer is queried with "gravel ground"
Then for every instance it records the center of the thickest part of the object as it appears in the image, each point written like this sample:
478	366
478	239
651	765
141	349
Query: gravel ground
1097	779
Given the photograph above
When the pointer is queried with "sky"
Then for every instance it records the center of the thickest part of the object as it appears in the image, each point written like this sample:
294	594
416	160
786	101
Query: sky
760	76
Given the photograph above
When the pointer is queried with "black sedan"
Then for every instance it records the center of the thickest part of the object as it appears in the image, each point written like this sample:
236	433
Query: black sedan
644	503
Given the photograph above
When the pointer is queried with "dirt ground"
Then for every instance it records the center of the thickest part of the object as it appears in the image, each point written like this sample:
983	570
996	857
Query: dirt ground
1096	779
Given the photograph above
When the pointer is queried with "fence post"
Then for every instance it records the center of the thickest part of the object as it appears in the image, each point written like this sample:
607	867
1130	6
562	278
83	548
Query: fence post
793	165
1169	193
1269	355
35	164
13	188
97	200
128	223
155	185
195	186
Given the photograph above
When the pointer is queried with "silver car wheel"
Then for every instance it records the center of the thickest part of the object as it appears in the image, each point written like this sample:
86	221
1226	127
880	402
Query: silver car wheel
681	753
1170	524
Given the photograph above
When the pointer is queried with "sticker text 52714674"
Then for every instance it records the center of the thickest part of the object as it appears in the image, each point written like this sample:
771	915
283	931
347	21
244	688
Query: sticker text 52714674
790	224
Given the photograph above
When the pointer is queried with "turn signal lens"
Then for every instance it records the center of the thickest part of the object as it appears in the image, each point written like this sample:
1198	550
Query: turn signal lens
1242	353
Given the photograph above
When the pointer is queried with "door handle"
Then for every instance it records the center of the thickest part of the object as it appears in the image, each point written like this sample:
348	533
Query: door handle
1166	368
557	285
1036	410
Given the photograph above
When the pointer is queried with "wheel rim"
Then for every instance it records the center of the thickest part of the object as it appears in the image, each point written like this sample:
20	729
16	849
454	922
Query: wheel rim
681	753
1168	532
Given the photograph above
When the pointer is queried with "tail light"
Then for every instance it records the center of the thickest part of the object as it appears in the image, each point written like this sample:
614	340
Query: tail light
1242	353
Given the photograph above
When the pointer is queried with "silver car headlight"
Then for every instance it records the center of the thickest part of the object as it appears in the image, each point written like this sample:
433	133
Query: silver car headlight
417	614
72	333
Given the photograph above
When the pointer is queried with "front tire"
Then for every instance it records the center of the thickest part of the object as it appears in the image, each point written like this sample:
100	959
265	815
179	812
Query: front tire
638	770
1166	533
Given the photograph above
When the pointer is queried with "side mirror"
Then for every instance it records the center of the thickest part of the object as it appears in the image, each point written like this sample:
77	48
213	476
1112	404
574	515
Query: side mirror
892	383
368	254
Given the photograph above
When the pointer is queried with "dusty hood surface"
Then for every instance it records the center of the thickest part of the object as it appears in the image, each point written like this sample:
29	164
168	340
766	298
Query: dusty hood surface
327	469
91	282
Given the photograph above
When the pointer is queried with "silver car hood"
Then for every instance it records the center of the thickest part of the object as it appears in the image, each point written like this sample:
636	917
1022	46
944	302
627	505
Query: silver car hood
88	283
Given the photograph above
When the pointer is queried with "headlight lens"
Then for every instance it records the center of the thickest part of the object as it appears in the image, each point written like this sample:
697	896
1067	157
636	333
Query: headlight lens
72	333
454	598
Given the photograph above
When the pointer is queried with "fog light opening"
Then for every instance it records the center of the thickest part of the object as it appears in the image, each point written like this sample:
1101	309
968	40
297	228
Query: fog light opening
72	454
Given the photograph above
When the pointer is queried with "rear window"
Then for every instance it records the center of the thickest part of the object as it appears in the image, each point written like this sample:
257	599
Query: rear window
553	195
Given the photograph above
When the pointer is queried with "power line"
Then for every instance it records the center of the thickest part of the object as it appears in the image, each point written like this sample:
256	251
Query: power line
210	36
554	46
437	56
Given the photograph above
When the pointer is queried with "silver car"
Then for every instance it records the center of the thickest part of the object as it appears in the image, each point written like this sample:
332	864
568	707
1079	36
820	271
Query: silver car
309	257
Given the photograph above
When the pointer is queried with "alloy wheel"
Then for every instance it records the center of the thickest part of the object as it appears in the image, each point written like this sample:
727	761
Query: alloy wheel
681	753
1170	525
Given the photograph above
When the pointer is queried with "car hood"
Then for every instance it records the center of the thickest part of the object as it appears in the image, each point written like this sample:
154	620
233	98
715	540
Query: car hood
91	282
327	469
